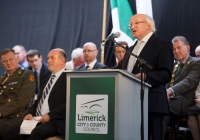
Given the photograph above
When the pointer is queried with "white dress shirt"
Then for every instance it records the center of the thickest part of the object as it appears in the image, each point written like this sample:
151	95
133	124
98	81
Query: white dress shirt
45	105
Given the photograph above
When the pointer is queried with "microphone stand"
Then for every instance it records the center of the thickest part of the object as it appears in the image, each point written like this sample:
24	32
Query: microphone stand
142	63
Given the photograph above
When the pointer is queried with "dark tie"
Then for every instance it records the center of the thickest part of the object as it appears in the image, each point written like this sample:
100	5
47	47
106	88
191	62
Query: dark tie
45	92
36	82
87	67
178	73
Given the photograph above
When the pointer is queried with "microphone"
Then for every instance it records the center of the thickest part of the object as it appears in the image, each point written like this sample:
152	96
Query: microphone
112	36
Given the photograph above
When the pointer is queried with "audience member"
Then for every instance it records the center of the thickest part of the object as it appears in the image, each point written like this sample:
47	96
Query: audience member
17	88
158	53
77	59
119	51
194	116
21	54
51	104
90	53
185	78
39	68
194	111
197	51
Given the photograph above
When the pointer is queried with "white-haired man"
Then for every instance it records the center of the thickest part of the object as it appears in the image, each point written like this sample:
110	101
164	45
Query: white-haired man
77	59
158	53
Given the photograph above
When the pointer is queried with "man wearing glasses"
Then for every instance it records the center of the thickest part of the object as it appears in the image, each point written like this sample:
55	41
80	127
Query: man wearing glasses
158	53
90	53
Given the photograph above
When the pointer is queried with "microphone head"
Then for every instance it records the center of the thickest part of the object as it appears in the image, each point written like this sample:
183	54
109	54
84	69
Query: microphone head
117	34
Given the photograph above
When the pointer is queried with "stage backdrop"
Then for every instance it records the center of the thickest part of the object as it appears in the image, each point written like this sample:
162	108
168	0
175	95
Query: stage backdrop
48	24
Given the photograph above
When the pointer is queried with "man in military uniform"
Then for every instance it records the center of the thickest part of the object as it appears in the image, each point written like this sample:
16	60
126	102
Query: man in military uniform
17	87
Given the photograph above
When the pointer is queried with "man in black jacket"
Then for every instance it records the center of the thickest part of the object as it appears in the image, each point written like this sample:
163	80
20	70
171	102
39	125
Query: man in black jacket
159	54
39	68
90	53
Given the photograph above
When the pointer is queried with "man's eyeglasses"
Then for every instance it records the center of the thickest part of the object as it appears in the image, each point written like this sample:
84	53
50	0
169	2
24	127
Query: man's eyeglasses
135	23
89	51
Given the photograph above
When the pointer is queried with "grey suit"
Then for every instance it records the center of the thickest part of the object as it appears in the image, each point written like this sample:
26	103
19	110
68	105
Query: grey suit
184	90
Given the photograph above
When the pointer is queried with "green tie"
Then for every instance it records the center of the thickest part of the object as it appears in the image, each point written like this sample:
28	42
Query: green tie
178	73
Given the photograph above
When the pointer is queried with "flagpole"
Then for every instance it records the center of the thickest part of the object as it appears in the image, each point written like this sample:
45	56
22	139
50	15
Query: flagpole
104	29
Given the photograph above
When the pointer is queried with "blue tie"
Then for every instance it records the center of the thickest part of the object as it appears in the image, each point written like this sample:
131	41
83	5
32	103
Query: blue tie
45	92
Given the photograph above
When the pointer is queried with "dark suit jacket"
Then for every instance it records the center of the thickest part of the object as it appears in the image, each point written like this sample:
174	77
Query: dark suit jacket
158	53
184	90
57	102
44	72
97	65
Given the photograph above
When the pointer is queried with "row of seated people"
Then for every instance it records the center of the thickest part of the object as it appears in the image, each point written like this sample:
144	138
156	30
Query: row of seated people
51	103
18	85
181	89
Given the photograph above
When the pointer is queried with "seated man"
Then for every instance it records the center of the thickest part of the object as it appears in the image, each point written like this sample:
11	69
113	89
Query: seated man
77	59
20	52
119	51
17	88
197	51
40	70
51	103
185	78
90	53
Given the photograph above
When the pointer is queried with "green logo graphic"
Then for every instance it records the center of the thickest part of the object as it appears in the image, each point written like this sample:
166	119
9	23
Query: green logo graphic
92	112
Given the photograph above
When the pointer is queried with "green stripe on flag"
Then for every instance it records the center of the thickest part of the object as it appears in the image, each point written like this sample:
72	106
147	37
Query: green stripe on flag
125	13
121	14
113	4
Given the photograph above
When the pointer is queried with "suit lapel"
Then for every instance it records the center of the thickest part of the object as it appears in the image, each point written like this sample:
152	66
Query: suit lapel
145	50
41	72
127	56
62	76
82	67
186	66
95	66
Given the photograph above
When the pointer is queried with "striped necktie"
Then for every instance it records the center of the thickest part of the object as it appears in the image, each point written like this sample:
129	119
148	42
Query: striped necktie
45	92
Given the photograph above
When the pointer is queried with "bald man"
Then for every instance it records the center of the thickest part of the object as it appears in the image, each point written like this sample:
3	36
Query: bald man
197	51
20	52
90	53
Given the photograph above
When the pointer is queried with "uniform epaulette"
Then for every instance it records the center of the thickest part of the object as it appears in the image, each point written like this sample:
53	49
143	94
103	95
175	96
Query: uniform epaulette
2	76
20	71
27	70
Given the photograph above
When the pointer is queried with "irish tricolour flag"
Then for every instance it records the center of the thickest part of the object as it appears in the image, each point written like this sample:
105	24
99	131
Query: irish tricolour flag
121	14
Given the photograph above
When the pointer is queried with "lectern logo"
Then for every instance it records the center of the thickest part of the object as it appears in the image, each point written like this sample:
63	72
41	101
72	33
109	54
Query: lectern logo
92	114
92	104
